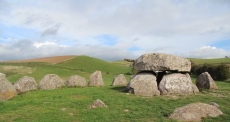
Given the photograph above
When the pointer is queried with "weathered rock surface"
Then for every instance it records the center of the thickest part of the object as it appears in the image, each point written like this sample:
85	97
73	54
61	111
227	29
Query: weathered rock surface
162	62
25	84
76	80
119	80
144	84
205	81
176	83
195	89
51	81
98	103
7	90
195	111
96	79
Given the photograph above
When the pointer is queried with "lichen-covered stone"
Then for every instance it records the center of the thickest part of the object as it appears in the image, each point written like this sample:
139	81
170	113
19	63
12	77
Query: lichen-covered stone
205	81
7	90
119	80
98	103
162	62
96	79
194	112
25	84
176	83
51	81
144	84
75	81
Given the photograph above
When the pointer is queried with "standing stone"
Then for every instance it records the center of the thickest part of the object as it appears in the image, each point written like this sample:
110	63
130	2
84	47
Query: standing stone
176	83
96	79
25	84
119	80
144	84
76	80
162	62
7	90
205	81
194	112
51	81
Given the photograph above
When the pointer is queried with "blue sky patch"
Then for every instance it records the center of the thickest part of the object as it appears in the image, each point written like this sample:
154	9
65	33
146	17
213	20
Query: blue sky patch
224	44
17	32
107	39
134	49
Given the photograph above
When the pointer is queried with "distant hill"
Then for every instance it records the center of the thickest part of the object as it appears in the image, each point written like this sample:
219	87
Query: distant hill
51	60
90	64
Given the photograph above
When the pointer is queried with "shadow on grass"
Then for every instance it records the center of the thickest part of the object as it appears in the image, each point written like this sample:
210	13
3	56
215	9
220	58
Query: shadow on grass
120	89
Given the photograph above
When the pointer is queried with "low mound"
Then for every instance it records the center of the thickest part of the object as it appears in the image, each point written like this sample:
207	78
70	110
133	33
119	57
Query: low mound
51	60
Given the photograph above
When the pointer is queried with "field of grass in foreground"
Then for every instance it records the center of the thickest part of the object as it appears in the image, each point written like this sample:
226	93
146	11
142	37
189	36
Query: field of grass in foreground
71	104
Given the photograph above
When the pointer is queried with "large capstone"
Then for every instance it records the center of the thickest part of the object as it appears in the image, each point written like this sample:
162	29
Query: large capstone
176	83
7	90
162	62
144	84
205	81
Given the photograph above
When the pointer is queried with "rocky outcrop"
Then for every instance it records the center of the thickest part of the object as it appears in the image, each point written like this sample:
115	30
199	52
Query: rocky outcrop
176	83
25	84
75	81
7	90
98	103
96	79
195	111
205	81
51	81
144	84
162	62
119	80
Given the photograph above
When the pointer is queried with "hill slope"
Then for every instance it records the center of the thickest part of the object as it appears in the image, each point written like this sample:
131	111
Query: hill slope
89	64
51	60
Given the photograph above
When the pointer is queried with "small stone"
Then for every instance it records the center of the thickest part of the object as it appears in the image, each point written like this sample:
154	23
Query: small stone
63	109
98	103
126	110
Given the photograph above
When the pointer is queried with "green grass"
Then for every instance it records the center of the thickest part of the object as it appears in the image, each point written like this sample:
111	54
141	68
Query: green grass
71	104
211	61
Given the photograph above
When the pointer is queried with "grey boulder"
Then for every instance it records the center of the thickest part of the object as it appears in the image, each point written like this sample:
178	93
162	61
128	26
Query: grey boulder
51	81
96	79
144	84
176	83
119	80
205	81
25	84
7	90
76	80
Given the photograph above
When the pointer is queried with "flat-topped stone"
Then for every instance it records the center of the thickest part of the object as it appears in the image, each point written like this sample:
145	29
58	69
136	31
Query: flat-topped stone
162	62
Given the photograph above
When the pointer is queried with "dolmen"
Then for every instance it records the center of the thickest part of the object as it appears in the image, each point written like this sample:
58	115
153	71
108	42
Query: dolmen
161	74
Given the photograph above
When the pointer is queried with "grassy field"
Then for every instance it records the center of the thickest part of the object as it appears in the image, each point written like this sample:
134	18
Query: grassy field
71	104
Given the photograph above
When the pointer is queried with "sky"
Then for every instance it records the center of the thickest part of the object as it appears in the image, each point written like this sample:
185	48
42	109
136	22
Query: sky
114	29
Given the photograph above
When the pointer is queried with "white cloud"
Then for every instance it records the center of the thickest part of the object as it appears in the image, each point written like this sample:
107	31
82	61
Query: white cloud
167	26
209	52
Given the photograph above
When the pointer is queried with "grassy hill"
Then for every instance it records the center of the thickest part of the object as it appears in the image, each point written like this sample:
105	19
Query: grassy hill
71	104
89	64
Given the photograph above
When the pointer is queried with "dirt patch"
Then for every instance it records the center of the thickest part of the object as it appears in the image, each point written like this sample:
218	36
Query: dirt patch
51	60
